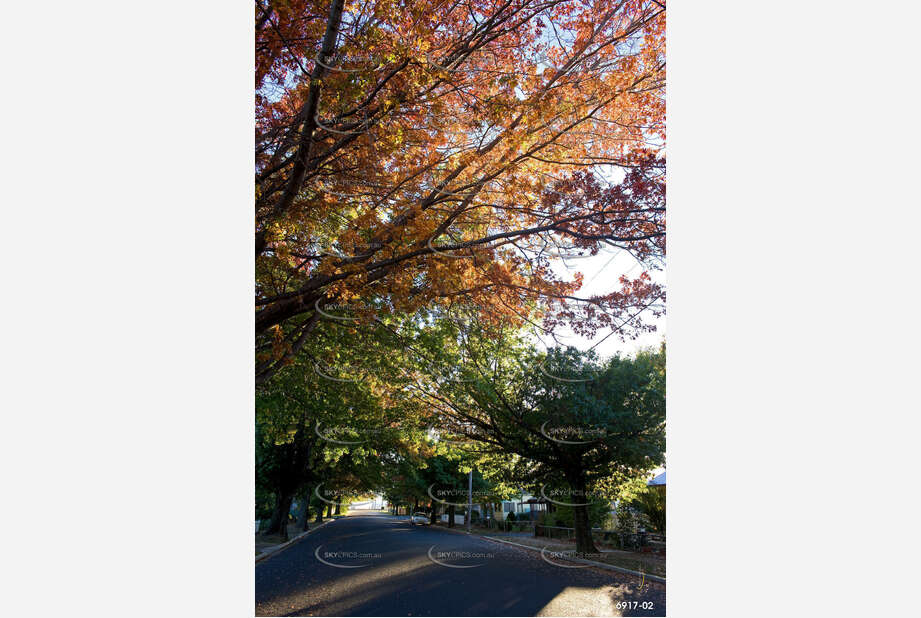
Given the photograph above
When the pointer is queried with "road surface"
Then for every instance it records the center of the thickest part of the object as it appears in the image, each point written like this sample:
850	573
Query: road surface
379	565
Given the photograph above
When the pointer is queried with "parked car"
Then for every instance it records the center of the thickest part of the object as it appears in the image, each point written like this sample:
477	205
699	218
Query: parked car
420	518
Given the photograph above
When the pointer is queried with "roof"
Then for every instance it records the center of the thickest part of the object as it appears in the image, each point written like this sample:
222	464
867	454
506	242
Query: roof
659	480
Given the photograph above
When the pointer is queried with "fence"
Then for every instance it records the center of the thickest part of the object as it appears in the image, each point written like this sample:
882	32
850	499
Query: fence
636	541
458	519
624	540
506	526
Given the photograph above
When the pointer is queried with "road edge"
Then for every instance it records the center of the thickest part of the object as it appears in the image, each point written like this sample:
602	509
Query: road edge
601	565
278	548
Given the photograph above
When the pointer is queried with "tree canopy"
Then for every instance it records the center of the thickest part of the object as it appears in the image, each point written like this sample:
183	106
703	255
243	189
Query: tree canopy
572	429
416	153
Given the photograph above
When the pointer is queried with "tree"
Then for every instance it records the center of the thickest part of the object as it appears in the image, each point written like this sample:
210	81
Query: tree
281	465
405	485
304	507
569	426
315	424
598	512
446	483
409	154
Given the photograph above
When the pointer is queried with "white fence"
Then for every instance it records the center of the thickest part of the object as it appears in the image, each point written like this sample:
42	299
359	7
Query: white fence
458	519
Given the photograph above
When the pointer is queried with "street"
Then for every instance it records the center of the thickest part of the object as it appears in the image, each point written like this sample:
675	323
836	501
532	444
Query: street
378	565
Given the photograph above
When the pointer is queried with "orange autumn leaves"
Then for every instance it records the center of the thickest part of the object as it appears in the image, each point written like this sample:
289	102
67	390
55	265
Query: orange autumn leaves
452	153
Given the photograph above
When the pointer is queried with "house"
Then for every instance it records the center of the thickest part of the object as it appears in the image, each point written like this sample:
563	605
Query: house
525	507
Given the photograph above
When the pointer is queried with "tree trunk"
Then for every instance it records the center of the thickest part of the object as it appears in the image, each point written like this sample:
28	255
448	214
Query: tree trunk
583	529
319	509
308	118
303	517
329	511
434	515
338	500
279	522
301	514
451	509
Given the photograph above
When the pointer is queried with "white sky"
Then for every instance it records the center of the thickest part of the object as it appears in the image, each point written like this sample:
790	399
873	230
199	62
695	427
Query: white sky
601	274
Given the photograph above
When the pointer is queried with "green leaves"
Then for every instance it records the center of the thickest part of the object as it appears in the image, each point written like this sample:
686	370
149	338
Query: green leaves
564	414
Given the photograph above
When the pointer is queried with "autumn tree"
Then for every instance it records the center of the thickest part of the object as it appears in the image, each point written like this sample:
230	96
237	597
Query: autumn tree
412	153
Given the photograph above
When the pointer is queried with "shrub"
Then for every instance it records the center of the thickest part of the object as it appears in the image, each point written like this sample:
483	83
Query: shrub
265	503
598	512
627	519
651	503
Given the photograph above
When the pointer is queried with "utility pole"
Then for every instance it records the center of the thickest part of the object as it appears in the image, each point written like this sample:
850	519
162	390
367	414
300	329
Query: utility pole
469	499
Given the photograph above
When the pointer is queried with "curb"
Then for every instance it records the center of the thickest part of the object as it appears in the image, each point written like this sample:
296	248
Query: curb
454	530
278	548
600	565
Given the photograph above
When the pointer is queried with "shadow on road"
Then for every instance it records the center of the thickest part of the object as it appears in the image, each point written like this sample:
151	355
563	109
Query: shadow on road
379	565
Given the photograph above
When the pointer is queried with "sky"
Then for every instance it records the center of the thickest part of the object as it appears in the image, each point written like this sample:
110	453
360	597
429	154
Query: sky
601	274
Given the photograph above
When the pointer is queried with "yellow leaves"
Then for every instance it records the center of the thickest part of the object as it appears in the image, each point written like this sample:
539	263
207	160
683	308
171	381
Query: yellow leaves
279	346
428	132
275	232
283	251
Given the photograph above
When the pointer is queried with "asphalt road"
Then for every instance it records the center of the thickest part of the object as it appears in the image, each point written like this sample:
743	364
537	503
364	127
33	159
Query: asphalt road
378	565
